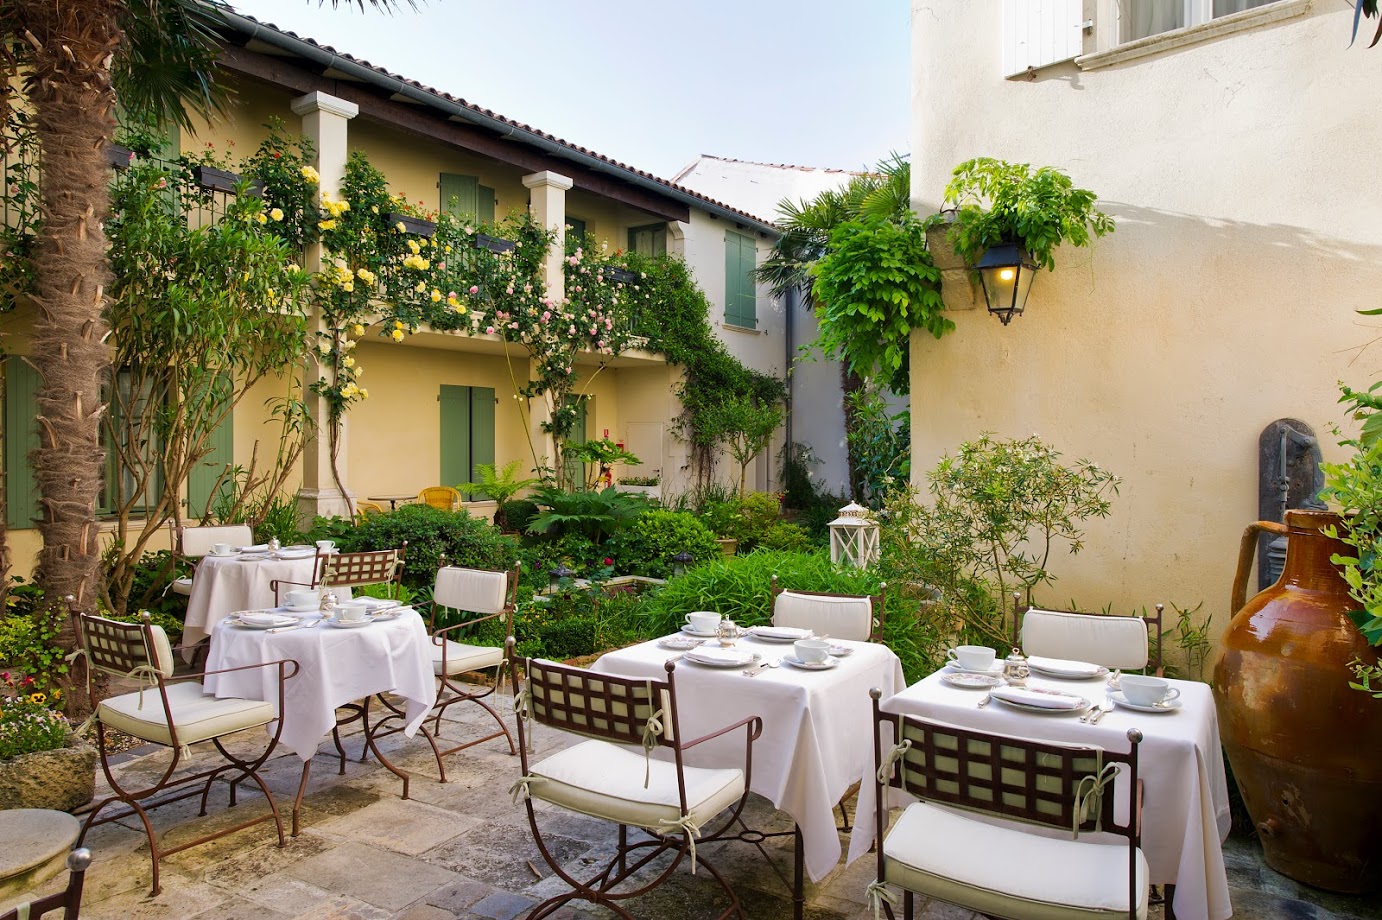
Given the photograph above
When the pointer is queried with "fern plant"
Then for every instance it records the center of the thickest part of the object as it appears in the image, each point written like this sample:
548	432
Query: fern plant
499	484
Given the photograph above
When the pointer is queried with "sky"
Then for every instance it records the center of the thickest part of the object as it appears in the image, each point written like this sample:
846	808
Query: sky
651	82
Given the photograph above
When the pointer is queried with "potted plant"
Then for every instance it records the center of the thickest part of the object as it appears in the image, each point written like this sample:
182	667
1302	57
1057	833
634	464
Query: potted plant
42	763
650	486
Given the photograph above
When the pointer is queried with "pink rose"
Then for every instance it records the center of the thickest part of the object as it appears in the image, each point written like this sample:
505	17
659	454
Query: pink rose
489	330
474	289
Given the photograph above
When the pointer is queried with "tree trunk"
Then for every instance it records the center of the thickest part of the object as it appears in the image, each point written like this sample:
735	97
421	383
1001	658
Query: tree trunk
851	383
73	103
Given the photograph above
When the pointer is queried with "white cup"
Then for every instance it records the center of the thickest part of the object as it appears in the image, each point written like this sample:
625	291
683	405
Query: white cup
703	621
220	549
812	651
326	546
1141	690
972	657
352	611
304	599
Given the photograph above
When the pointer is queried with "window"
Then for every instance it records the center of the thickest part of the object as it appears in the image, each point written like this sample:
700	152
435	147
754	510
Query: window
467	434
575	233
741	258
1143	18
648	240
464	196
220	454
131	413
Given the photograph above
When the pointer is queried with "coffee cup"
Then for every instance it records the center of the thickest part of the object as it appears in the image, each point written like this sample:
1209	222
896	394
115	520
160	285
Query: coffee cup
811	651
304	599
221	549
352	611
703	621
971	657
326	546
1142	690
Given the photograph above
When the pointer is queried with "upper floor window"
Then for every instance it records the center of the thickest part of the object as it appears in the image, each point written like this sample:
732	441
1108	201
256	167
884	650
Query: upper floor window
464	196
741	258
1143	18
648	240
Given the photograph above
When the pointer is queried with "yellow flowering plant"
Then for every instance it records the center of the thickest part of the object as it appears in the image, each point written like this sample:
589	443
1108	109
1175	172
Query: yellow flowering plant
27	724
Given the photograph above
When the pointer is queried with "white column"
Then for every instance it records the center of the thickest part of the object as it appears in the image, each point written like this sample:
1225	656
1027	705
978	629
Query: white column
547	201
324	122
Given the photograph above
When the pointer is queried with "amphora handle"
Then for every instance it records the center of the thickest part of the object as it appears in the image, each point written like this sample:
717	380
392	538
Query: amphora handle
1246	550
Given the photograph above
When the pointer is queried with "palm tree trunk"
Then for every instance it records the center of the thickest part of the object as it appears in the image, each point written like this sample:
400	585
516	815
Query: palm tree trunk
851	383
70	91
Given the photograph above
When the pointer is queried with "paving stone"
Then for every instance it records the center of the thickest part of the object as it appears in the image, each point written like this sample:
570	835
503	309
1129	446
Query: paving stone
341	908
239	909
375	876
178	899
405	827
457	895
1249	904
424	912
501	859
502	905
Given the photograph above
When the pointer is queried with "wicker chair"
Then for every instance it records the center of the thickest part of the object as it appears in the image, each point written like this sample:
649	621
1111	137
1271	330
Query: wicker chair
842	616
192	543
1003	868
602	777
1098	638
363	509
177	713
69	899
443	497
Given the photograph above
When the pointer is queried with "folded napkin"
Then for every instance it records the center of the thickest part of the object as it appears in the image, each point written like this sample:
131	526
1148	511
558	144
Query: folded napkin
720	656
260	618
782	632
1063	666
1046	699
256	548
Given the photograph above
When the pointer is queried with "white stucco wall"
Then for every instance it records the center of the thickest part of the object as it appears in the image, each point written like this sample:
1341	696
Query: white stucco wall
1249	231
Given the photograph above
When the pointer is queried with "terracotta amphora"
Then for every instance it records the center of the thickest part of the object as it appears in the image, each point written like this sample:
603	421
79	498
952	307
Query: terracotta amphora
1305	749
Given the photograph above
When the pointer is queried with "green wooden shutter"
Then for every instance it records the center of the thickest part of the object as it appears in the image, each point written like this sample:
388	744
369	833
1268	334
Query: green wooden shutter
207	472
455	435
21	437
460	195
577	231
740	262
732	287
648	240
484	208
576	473
482	405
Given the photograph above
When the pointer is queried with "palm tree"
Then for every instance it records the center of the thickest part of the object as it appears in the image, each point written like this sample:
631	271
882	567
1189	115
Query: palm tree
68	55
806	227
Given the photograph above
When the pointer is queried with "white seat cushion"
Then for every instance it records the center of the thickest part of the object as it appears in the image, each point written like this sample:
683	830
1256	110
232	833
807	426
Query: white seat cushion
1007	871
197	715
838	617
1112	641
606	781
183	586
461	657
198	541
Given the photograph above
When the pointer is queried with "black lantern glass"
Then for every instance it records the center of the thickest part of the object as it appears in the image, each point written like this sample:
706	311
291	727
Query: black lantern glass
1006	273
680	561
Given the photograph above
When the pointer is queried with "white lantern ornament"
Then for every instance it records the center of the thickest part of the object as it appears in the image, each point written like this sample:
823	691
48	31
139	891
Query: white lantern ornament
854	537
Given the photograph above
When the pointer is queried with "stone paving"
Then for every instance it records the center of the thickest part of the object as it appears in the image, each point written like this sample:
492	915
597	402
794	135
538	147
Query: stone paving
463	850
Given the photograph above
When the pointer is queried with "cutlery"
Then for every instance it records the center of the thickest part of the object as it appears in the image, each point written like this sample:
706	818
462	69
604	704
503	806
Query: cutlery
759	669
1103	710
279	629
985	701
1089	712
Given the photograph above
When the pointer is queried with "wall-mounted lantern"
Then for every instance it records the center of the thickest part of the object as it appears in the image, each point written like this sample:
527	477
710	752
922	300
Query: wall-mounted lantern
1006	273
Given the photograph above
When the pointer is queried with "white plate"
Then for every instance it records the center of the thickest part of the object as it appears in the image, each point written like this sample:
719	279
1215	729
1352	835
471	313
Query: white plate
293	608
1164	706
388	613
223	555
779	633
796	662
253	557
971	681
697	633
840	651
278	620
996	669
679	643
350	624
721	657
1047	710
1053	667
295	554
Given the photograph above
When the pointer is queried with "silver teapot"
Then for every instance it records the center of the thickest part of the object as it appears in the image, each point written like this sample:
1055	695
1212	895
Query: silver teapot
1015	669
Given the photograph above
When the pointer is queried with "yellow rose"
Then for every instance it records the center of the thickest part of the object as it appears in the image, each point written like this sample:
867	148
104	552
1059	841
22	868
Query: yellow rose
364	394
398	324
436	295
276	214
348	286
375	208
359	329
310	175
400	228
359	371
261	218
420	287
460	309
327	225
348	361
397	335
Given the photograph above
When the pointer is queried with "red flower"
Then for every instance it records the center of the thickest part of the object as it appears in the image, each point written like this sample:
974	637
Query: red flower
609	561
28	682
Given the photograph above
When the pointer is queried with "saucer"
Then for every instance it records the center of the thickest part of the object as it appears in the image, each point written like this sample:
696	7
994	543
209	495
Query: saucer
996	669
697	633
796	662
679	643
223	555
1164	706
840	651
971	681
348	624
293	608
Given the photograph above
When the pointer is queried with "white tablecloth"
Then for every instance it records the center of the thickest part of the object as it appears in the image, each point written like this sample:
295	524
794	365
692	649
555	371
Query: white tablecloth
223	585
816	727
1185	817
338	666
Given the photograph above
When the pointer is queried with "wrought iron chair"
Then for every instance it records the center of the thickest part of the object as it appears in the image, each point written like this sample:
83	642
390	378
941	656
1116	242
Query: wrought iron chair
192	543
602	778
177	713
443	497
1099	638
841	616
492	595
351	570
1003	868
69	899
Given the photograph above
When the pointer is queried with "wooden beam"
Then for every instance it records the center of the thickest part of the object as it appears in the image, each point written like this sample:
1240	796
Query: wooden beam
290	74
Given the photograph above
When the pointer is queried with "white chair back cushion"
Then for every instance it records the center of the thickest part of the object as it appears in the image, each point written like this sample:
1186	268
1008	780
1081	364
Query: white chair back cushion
475	590
838	617
197	541
1112	641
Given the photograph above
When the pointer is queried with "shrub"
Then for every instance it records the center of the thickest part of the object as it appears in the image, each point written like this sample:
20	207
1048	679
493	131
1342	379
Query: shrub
151	589
646	546
432	533
515	516
27	725
594	514
785	536
744	519
541	556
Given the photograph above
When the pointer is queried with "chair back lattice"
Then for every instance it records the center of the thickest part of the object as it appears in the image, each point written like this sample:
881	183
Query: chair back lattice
120	648
443	497
198	541
349	570
601	706
1010	777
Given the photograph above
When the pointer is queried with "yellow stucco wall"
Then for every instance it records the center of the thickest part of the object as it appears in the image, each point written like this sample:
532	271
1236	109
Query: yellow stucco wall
1248	234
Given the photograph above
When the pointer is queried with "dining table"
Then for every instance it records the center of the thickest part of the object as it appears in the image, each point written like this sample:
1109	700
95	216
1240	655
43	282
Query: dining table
339	665
394	499
1181	765
816	739
243	580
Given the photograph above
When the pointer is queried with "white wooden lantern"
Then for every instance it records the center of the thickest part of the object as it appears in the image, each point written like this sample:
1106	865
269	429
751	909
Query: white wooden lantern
854	537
